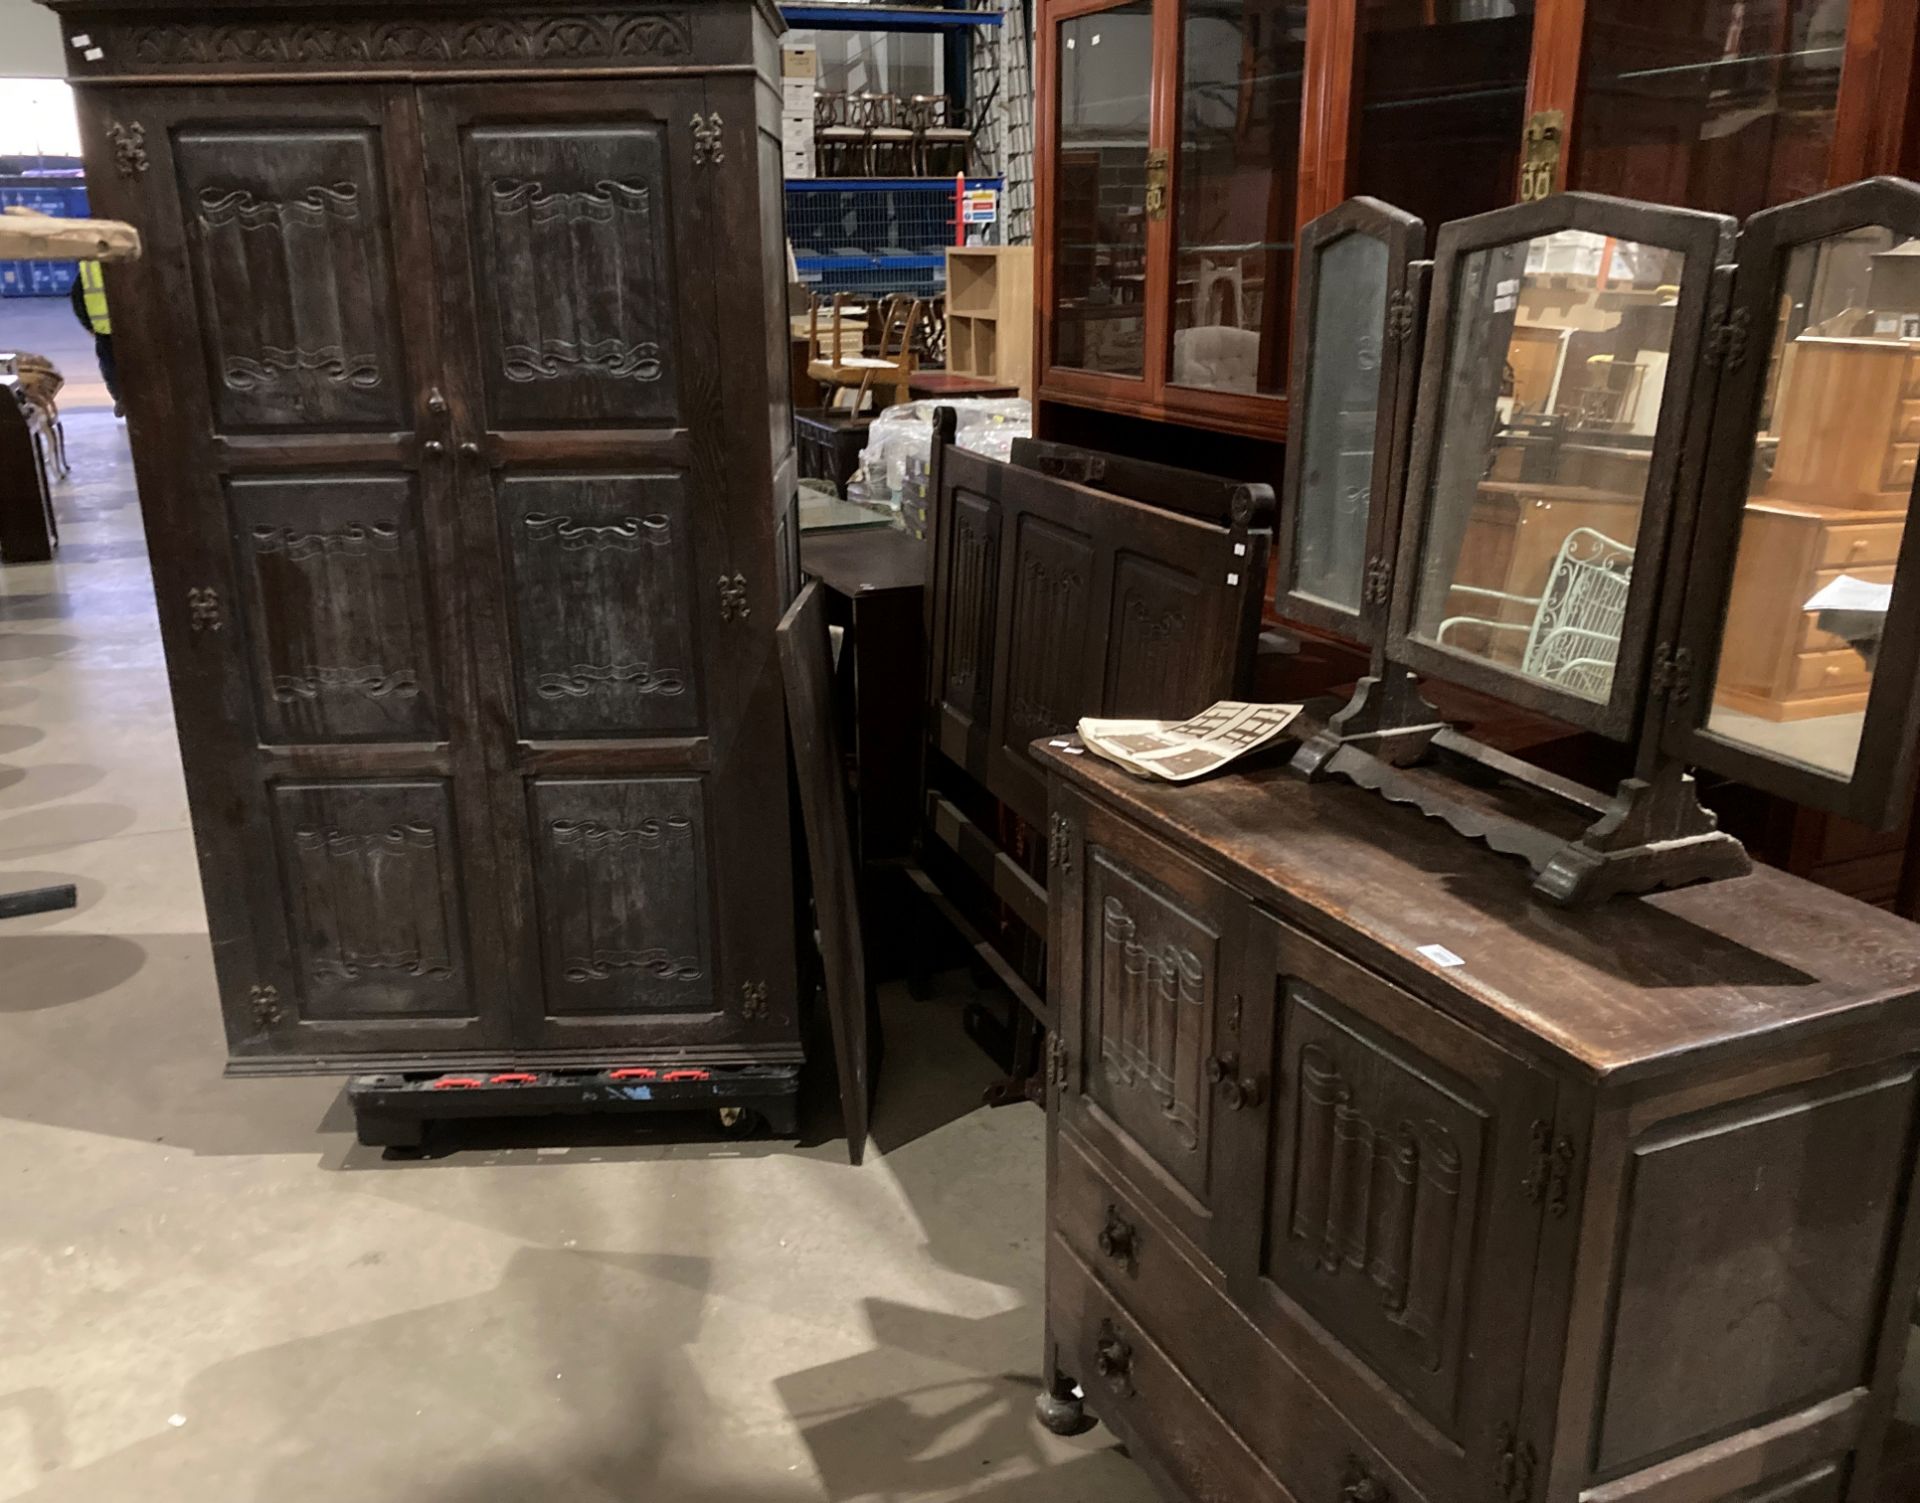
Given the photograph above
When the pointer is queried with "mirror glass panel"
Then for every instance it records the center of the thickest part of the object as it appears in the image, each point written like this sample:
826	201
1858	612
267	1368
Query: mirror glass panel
1556	370
1100	204
1833	467
1342	406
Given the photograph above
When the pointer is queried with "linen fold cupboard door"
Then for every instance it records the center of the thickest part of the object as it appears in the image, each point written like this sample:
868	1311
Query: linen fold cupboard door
280	365
468	605
628	603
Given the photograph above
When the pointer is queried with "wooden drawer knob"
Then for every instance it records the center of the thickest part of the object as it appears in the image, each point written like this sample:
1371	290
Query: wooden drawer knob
1118	1240
1361	1486
1113	1358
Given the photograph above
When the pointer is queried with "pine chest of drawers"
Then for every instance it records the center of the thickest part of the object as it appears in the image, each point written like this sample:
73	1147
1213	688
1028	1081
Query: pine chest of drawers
1373	1181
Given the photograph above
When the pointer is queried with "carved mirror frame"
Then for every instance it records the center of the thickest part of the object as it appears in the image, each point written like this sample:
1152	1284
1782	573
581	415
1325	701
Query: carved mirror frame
1883	766
1706	240
1402	306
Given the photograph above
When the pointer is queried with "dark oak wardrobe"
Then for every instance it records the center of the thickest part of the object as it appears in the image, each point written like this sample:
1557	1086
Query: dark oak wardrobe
456	369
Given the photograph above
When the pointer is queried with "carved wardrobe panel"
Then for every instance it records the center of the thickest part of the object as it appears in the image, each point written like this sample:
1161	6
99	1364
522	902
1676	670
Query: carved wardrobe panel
623	895
287	231
450	427
374	873
572	237
604	609
334	589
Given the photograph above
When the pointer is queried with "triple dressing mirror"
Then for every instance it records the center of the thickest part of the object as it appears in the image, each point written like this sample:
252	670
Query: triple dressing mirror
1655	489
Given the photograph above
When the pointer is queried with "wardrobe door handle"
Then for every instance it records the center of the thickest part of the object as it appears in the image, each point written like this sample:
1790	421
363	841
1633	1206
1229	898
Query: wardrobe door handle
433	448
470	449
436	403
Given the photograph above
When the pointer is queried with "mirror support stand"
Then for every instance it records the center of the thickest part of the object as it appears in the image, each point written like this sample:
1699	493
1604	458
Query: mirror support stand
1651	833
1387	718
1654	834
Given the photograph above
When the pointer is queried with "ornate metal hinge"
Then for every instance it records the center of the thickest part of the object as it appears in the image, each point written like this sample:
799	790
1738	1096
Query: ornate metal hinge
1540	162
1056	1062
733	597
1513	1467
1550	1176
1059	842
264	1003
1672	673
753	1000
1157	168
1727	344
203	605
1379	581
1399	326
706	139
129	147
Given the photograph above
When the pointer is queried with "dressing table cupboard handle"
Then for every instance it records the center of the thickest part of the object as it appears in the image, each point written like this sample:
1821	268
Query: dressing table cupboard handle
1237	1091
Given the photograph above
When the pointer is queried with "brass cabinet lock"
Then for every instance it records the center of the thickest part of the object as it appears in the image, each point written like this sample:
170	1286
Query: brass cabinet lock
1157	167
1540	154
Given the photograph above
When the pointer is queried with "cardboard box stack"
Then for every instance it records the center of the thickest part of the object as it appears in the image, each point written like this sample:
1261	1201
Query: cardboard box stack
799	73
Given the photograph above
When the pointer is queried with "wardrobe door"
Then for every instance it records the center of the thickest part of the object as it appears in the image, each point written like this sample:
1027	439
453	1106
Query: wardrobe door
623	585
280	371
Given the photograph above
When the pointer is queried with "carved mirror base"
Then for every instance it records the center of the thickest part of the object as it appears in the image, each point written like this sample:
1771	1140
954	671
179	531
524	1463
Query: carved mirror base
1386	718
1651	834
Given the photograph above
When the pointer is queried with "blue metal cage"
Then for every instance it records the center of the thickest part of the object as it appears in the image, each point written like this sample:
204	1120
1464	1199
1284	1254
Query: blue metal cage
873	235
62	195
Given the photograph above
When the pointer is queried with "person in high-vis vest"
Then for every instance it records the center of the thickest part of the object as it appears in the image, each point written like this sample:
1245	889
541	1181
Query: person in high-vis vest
90	307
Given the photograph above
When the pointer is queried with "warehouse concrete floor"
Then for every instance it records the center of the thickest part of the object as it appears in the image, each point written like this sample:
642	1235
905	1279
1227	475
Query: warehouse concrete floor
209	1292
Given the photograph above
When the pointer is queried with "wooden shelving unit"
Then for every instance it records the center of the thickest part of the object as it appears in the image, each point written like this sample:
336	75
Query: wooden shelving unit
990	313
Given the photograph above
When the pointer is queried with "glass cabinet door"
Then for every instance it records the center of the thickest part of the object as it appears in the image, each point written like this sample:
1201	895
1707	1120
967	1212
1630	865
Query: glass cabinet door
1724	107
1101	167
1439	102
1242	64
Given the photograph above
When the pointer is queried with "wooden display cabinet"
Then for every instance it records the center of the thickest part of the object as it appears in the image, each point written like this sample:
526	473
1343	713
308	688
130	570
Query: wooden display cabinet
1182	144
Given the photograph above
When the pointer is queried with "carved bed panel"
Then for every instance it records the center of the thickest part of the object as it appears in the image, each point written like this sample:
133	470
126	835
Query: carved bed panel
1050	600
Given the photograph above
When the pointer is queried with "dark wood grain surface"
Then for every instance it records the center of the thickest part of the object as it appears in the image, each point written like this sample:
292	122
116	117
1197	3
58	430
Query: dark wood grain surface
864	560
1624	986
806	663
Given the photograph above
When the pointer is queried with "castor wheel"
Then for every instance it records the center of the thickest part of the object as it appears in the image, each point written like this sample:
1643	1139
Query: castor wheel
738	1121
1061	1416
